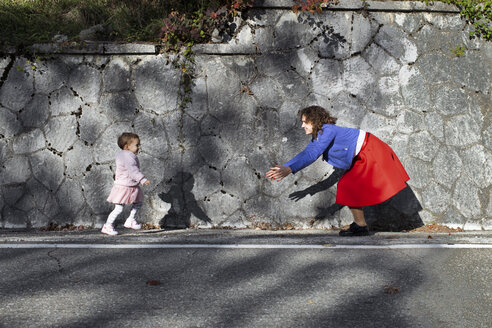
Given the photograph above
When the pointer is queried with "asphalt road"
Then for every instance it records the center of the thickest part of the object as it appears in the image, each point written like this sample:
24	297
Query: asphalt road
50	285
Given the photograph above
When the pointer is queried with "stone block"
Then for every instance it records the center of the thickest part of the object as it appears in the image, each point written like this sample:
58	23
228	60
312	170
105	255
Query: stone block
380	60
422	145
420	172
327	78
96	187
461	131
61	132
379	125
36	112
453	219
358	77
70	199
409	22
215	151
465	198
445	22
220	206
154	169
414	89
294	31
29	142
450	100
3	151
93	123
15	170
410	122
305	60
106	146
435	198
85	81
268	92
473	72
16	91
385	98
363	30
435	125
12	194
51	75
239	179
9	123
477	165
447	167
14	218
207	182
264	39
116	75
334	42
63	101
78	159
197	107
120	106
157	84
397	44
48	169
432	73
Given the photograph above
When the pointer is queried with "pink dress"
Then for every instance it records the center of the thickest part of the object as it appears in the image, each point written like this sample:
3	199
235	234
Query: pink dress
126	189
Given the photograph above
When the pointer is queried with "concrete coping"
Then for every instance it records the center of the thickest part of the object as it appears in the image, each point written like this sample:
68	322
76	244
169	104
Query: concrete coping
110	48
399	6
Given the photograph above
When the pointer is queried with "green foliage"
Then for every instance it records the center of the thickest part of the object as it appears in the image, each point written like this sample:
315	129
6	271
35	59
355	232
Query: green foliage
311	5
477	13
459	51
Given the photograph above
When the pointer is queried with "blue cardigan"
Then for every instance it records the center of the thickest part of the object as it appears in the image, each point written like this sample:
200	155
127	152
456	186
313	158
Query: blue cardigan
336	143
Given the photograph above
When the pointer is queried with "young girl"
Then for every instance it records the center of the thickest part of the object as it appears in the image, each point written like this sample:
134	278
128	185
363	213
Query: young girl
374	172
126	189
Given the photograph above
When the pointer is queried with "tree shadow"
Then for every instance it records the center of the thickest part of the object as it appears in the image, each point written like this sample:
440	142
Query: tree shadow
183	203
399	213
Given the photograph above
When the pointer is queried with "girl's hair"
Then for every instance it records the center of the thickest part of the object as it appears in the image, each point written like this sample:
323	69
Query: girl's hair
126	138
317	116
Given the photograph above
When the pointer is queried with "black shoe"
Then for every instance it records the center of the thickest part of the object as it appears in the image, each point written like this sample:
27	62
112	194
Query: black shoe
354	230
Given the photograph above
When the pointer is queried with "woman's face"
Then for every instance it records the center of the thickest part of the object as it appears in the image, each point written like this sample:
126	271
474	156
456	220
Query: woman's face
307	126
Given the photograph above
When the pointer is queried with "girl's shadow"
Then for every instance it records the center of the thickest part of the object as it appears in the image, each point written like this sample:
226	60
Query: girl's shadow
183	203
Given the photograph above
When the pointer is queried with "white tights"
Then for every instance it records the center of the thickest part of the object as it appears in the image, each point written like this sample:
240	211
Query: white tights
118	208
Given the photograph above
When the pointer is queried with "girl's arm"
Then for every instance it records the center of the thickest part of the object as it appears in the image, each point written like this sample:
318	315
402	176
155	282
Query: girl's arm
133	170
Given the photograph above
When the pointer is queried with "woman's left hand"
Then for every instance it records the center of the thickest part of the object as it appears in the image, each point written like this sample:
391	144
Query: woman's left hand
278	172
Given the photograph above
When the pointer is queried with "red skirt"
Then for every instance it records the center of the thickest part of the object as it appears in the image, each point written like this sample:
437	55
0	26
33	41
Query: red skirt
375	176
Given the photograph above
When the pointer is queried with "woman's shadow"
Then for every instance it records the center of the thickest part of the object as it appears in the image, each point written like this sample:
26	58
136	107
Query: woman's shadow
399	213
183	203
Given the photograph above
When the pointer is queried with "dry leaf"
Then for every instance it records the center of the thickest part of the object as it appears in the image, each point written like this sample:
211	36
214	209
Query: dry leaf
153	282
391	289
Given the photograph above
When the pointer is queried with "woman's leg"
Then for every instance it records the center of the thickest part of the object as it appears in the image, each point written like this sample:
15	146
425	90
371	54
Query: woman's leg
358	214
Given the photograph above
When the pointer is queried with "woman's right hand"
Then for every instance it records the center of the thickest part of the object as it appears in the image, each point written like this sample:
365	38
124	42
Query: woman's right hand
278	172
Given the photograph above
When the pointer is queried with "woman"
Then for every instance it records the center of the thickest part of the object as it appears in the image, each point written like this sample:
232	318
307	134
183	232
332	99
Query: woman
374	172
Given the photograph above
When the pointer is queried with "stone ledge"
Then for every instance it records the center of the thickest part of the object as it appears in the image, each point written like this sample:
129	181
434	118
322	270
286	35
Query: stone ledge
92	48
369	5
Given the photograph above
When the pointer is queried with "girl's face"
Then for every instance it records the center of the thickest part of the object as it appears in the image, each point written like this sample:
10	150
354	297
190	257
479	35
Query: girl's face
133	146
307	126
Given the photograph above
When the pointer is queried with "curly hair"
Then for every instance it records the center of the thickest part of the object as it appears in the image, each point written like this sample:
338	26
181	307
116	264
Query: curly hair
125	138
317	116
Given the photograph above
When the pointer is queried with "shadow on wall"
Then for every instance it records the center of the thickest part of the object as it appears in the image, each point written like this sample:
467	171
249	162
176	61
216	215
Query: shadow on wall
183	203
399	213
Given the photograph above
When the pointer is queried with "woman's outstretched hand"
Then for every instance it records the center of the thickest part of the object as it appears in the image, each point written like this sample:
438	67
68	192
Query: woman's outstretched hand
278	172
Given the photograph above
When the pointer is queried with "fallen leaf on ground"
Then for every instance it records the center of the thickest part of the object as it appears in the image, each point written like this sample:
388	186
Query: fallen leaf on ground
153	282
391	289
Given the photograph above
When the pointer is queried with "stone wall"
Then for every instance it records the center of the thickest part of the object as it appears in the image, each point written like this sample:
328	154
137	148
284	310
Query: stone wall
387	68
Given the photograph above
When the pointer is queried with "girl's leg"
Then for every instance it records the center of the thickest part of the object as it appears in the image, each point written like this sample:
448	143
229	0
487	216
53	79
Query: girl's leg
118	208
131	222
358	214
108	227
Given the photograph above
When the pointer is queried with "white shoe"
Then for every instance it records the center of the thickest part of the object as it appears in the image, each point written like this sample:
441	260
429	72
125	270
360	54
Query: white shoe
132	224
109	230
